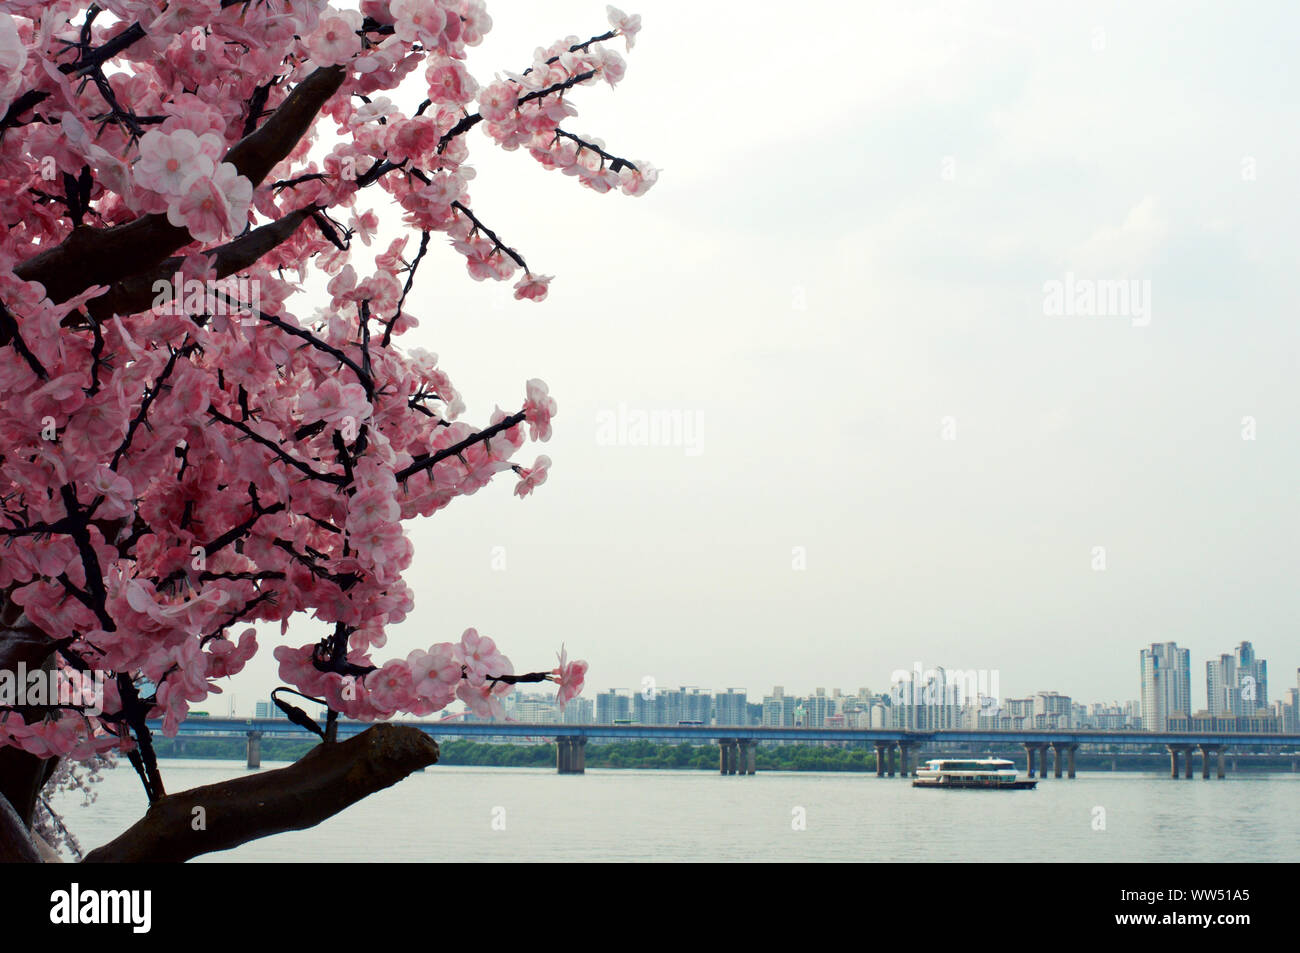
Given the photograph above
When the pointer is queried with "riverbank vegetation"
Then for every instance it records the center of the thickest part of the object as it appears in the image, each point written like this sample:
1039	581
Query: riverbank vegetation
686	757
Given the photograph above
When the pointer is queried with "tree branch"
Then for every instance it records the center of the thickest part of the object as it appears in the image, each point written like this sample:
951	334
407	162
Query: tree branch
21	774
429	460
136	293
16	844
337	479
328	779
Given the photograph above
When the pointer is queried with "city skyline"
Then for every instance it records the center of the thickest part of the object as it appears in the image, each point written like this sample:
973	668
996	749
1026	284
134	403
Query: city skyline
258	680
959	689
1004	692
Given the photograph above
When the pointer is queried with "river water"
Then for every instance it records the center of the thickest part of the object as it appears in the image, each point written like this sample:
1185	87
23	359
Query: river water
531	814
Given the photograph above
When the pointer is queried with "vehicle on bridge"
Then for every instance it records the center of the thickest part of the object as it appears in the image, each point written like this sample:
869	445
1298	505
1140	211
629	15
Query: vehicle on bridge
978	773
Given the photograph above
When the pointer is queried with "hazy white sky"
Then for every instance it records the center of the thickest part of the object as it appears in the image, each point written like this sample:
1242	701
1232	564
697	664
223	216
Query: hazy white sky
859	210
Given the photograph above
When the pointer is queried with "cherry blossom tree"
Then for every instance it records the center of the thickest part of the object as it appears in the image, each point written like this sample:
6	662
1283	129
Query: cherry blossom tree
184	451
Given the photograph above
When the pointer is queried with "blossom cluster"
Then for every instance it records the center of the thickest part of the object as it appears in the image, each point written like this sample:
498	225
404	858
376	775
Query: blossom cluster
170	477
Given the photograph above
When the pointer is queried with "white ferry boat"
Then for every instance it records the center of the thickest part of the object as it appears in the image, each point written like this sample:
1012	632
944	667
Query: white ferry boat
972	773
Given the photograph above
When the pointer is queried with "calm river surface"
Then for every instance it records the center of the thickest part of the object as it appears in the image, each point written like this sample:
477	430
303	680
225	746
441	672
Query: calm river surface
615	815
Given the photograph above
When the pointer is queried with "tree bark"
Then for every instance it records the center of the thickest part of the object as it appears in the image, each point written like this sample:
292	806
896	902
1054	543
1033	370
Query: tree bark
328	779
22	775
16	845
136	293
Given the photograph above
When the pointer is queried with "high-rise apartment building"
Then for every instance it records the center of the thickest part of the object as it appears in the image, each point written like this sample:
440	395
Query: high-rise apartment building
1052	710
1252	680
613	706
1221	686
1166	684
1237	684
778	709
926	700
731	708
818	708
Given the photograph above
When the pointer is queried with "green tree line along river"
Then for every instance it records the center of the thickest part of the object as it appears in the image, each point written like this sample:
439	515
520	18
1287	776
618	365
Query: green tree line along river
684	756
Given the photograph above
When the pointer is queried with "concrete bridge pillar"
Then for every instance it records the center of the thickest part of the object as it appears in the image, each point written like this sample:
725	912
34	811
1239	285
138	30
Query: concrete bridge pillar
904	763
1220	762
880	760
1056	758
1205	762
1187	753
1029	759
1042	760
728	755
750	751
889	754
570	755
1173	761
254	749
1070	753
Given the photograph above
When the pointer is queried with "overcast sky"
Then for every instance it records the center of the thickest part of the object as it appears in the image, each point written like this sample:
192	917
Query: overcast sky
839	283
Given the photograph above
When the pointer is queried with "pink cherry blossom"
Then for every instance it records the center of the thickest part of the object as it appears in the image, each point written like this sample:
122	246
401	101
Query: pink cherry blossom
211	205
391	688
480	657
116	490
168	161
569	676
474	22
450	82
229	658
334	402
498	101
436	674
335	38
639	180
533	287
13	57
364	225
539	408
533	477
182	16
484	699
419	21
628	26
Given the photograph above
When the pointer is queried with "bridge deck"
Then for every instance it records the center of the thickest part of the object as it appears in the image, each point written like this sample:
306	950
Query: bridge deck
197	726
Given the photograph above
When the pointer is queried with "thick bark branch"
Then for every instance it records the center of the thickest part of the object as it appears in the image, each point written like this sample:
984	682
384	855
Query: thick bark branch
95	256
136	293
22	775
323	782
16	844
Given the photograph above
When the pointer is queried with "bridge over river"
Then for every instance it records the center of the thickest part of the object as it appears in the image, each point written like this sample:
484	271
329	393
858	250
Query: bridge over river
737	744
